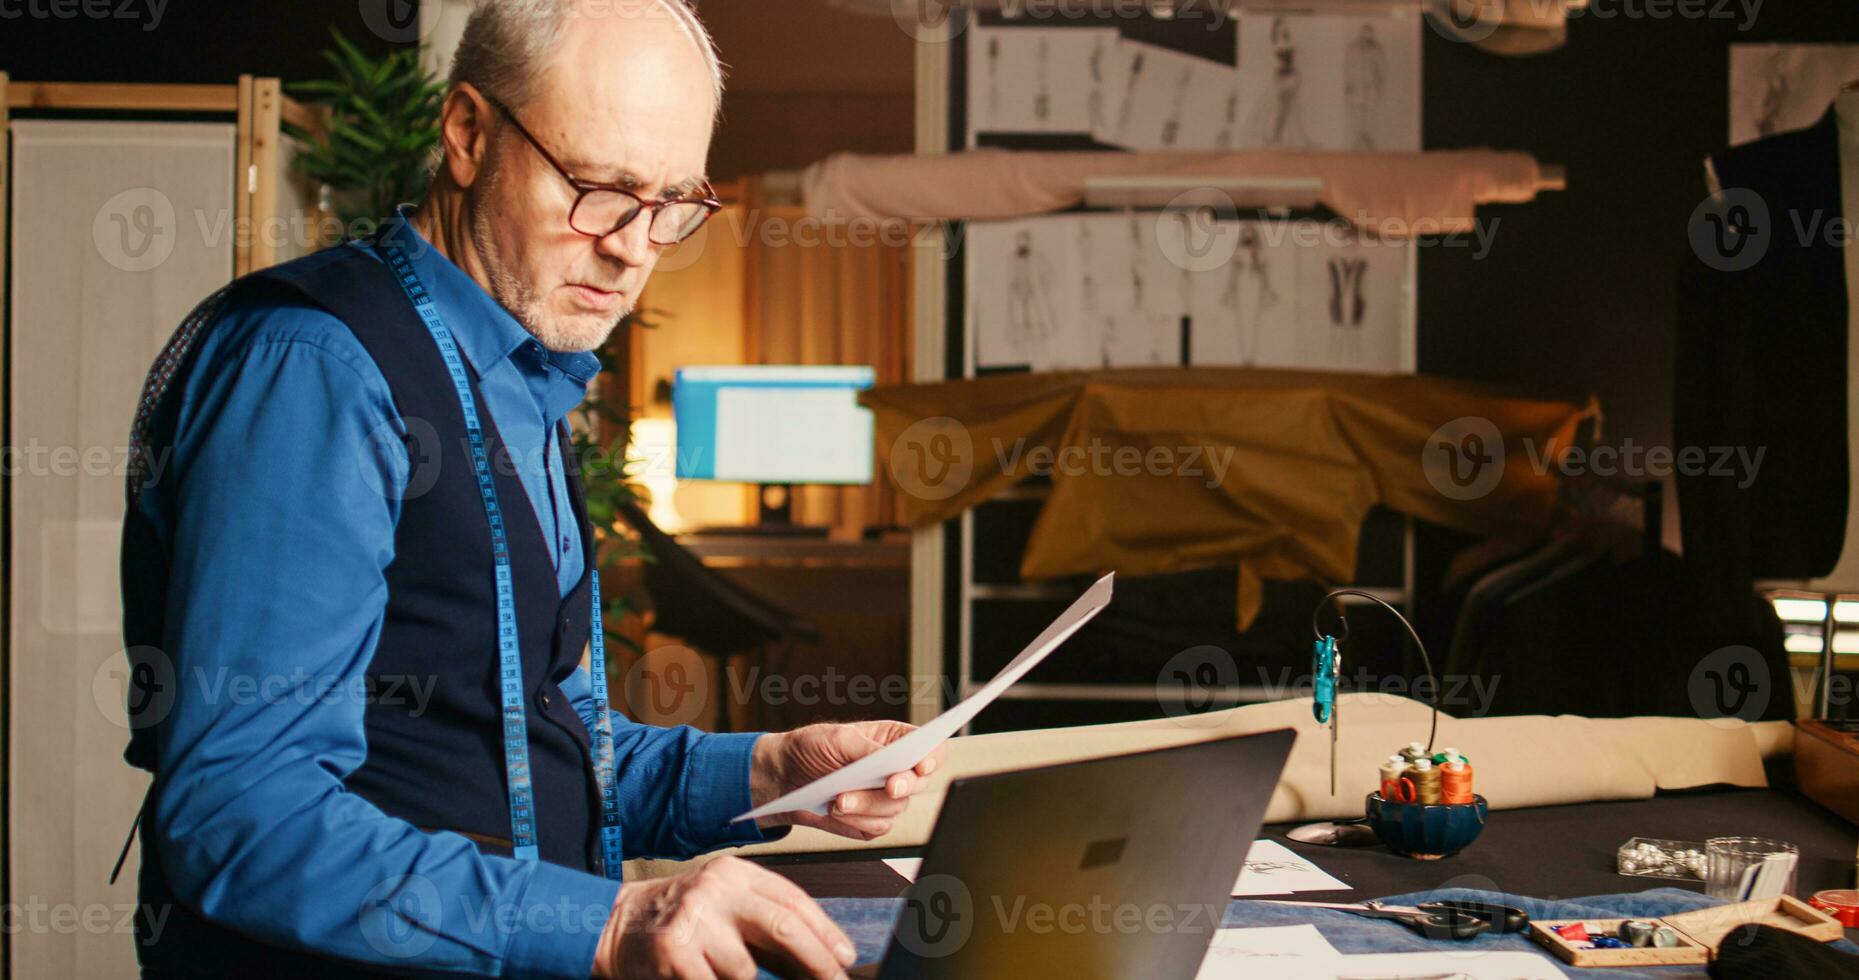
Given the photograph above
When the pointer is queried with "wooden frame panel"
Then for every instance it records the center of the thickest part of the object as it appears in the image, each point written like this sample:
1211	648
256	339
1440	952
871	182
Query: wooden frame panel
262	178
242	179
6	433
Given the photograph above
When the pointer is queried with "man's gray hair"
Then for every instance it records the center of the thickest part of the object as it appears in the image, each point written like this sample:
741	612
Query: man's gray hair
506	46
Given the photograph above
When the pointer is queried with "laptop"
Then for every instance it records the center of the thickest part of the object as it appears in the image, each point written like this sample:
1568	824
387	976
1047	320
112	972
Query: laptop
1113	868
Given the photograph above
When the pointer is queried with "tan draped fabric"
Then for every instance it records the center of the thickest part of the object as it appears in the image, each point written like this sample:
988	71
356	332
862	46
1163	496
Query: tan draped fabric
1164	470
1396	195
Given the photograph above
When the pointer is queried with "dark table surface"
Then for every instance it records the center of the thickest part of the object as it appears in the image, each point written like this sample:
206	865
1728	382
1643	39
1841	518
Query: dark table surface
1545	852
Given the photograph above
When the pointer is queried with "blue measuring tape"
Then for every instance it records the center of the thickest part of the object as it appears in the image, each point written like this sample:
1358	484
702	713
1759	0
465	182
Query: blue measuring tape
509	650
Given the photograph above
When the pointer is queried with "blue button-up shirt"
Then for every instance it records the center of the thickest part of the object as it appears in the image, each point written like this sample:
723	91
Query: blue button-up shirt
275	602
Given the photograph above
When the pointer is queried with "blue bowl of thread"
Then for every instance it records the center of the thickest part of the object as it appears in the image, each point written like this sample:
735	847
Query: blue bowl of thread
1427	831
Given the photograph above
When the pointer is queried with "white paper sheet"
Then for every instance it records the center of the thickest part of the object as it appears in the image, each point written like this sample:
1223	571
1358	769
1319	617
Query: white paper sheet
907	867
1455	965
1274	869
871	771
1236	951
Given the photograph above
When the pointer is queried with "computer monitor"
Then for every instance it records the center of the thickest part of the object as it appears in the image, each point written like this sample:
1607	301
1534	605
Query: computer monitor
773	424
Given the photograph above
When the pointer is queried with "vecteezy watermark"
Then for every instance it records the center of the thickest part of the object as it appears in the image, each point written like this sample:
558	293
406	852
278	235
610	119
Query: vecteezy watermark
38	917
1203	229
1099	458
670	686
136	230
941	915
400	917
935	459
1730	686
1734	228
1465	459
40	460
1630	459
942	21
1471	21
138	688
1196	681
832	688
149	12
1731	230
1199	679
398	21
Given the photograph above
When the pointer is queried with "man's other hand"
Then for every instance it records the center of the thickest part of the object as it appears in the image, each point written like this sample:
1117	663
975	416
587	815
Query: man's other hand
720	921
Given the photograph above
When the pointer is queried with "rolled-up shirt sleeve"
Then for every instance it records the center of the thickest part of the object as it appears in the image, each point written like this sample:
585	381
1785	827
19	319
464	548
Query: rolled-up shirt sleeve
279	509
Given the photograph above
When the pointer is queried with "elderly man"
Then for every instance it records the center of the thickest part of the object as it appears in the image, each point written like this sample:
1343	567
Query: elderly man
359	600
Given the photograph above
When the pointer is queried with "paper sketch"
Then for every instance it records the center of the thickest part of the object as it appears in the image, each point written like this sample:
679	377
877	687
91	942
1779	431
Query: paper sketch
1165	100
1330	82
1036	80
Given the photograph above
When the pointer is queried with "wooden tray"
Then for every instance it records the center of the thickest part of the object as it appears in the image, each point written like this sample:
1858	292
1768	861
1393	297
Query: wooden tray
1700	933
1688	951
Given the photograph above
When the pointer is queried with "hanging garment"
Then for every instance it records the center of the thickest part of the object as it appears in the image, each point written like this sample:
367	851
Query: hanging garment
1762	362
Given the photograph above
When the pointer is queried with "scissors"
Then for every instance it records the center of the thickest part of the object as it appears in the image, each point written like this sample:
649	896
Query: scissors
1435	920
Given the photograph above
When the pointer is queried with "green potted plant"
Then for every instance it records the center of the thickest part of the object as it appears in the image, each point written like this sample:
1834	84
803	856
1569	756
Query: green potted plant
381	127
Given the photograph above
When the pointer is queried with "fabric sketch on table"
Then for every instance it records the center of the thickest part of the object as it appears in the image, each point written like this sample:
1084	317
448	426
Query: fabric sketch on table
1365	80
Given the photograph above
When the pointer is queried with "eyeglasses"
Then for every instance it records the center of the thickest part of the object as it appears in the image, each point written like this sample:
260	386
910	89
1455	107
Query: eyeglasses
601	209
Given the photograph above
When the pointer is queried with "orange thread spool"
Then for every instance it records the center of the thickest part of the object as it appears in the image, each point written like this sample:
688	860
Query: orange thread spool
1456	782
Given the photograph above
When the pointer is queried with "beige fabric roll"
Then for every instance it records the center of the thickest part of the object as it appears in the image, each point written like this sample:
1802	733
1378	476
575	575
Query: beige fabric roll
1392	194
1523	761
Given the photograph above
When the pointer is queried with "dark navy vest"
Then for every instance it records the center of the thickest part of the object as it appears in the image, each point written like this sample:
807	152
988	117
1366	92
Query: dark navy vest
443	768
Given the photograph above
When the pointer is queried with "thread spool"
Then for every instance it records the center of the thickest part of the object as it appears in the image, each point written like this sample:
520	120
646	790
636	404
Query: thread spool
1449	755
1414	752
1426	781
1391	773
1455	782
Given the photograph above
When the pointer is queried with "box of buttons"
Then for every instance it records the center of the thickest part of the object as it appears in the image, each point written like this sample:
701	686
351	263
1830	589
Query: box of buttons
1650	857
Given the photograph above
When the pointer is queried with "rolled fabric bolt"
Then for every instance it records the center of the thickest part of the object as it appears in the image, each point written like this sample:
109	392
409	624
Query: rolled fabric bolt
1665	937
1426	779
1455	781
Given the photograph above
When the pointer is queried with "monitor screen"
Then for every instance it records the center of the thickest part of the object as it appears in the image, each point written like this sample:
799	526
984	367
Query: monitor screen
773	424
